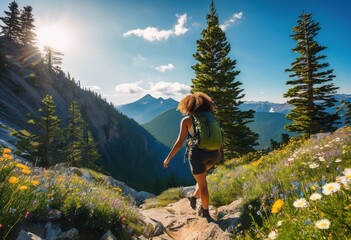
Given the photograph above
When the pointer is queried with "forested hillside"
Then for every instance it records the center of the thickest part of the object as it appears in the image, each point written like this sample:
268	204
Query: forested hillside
128	152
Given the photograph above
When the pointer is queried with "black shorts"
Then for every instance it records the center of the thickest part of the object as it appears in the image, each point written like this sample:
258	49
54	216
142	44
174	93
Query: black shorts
199	159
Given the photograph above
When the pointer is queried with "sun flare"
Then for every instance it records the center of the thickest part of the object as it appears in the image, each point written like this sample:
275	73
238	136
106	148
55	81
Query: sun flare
52	36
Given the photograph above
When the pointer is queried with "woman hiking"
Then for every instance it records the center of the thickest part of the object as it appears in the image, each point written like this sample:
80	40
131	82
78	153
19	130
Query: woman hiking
199	108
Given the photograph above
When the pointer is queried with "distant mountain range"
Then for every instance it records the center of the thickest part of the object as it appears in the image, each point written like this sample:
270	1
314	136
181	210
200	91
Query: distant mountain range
147	108
269	118
165	127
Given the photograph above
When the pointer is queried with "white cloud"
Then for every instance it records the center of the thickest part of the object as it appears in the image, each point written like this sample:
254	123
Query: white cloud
158	89
231	21
154	34
92	88
150	33
163	68
168	89
129	88
179	29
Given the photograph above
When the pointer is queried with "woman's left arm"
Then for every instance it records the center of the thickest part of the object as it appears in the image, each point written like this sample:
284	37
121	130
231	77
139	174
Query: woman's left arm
179	143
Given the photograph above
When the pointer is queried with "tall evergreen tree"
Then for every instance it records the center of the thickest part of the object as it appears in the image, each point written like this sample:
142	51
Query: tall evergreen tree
90	151
312	88
346	106
11	27
215	76
74	135
49	137
3	64
52	58
27	35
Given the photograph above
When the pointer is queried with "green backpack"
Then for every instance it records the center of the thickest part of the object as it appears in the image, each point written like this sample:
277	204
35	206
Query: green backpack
207	131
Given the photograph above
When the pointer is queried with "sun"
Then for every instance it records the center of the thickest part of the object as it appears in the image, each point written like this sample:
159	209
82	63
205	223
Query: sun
53	36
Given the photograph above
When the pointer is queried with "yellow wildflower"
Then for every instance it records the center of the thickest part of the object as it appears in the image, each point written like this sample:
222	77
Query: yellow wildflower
6	151
13	180
20	165
7	156
23	187
277	206
35	182
26	171
118	189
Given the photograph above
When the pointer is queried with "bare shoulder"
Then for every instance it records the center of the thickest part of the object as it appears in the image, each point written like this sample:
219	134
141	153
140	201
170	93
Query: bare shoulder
186	121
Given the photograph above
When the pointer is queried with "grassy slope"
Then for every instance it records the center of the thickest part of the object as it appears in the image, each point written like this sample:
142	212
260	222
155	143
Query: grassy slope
89	204
296	172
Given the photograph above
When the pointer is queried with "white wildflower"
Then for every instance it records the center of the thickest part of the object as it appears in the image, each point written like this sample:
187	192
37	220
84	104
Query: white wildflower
347	174
290	159
338	160
272	235
300	203
330	188
343	181
323	224
322	159
279	223
315	196
314	165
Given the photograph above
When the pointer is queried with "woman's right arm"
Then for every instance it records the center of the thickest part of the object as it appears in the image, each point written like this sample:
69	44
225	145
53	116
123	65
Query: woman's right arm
184	126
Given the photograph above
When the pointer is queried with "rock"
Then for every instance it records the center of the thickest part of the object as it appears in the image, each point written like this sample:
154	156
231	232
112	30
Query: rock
142	196
71	234
180	221
23	235
35	228
108	236
54	214
52	231
186	191
229	215
87	177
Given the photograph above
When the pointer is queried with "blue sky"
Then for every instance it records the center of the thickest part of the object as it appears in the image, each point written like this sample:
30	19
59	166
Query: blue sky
126	49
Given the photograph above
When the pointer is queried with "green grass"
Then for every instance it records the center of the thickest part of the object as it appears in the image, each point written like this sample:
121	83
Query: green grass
169	196
88	205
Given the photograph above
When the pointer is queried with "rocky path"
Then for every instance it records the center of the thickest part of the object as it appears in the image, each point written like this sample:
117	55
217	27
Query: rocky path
179	221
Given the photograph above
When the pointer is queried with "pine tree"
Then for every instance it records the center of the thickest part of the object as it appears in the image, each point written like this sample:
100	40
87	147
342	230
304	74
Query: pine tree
90	154
215	76
312	88
52	58
346	106
3	64
27	35
74	135
11	29
49	136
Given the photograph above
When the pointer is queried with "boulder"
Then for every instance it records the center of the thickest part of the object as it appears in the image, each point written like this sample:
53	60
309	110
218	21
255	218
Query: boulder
52	231
23	235
71	234
108	236
54	214
142	196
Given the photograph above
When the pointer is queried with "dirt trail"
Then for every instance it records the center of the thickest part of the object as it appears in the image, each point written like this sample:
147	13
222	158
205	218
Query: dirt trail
179	221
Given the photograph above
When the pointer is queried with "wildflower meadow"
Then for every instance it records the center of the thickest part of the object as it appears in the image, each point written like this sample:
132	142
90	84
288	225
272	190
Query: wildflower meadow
92	205
301	191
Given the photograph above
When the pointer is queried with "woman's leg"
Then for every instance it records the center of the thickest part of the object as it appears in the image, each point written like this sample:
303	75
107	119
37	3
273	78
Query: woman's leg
196	193
202	188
